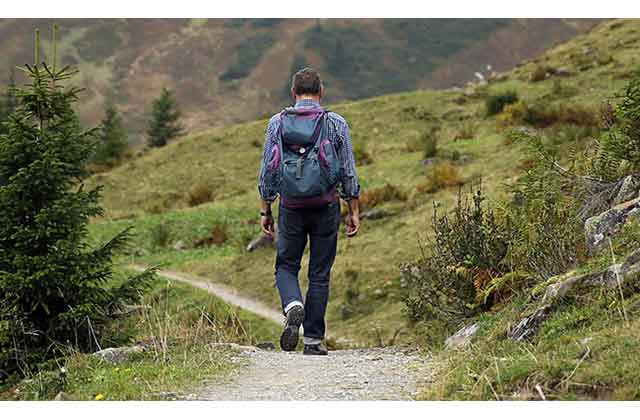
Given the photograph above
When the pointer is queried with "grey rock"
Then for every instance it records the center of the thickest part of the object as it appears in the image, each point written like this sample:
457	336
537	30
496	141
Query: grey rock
179	245
463	337
628	190
528	326
608	278
233	347
62	396
118	354
374	214
563	72
267	345
430	161
600	227
262	241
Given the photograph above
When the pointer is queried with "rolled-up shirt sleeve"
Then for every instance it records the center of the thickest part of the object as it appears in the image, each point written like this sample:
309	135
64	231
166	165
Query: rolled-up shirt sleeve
268	176
349	185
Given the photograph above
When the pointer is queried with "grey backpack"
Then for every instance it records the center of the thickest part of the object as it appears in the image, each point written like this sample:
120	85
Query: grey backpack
309	165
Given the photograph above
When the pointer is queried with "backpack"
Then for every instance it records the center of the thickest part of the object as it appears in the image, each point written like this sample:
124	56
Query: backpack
309	165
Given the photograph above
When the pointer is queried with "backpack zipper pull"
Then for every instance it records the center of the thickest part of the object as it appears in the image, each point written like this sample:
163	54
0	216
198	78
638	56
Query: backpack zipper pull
299	168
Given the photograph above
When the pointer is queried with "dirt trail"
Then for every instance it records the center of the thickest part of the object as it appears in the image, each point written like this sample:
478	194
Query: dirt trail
225	293
360	374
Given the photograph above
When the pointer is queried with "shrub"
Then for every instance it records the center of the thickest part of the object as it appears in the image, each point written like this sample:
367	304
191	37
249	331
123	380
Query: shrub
439	176
427	142
541	115
372	197
160	235
430	142
465	131
466	254
218	236
199	194
496	103
539	73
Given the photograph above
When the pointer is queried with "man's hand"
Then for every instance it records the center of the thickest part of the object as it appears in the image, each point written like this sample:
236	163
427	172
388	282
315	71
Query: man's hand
353	219
353	225
266	219
267	225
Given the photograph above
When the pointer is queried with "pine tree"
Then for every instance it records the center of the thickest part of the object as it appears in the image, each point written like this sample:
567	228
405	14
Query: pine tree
54	287
112	138
164	124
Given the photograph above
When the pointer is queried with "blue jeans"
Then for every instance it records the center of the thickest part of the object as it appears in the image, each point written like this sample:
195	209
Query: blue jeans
320	225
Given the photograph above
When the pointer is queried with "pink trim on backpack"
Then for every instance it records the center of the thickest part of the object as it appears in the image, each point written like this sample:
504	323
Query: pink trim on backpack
275	160
321	155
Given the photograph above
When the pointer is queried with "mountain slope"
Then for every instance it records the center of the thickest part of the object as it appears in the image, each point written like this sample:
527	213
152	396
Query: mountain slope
152	192
226	71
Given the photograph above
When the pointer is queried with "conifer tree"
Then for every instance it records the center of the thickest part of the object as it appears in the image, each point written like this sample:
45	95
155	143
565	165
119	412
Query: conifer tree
112	137
55	288
164	124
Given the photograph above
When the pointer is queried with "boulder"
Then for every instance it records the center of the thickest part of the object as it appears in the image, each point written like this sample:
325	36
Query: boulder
628	190
600	227
233	347
374	214
179	245
267	345
528	326
608	278
616	275
62	396
118	354
262	241
463	337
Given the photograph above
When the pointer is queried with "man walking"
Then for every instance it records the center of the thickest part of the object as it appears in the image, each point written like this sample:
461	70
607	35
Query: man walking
308	162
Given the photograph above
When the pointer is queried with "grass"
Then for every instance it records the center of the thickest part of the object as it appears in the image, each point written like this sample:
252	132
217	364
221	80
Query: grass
159	182
582	352
177	325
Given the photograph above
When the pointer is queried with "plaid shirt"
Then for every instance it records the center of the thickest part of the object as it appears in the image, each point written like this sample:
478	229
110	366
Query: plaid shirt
338	134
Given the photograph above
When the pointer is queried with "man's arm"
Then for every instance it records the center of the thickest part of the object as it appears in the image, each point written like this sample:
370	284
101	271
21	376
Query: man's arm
350	191
267	178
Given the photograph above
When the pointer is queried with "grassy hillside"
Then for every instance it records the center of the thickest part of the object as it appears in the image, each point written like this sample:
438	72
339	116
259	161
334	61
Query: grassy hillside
233	70
153	192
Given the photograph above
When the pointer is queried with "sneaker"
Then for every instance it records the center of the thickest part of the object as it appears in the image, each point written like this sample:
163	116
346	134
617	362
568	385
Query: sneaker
315	350
289	337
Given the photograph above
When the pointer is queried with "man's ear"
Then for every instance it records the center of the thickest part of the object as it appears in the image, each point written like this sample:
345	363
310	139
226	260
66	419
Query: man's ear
293	94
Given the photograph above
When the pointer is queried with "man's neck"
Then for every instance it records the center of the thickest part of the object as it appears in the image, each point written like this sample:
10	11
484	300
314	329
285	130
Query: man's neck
308	98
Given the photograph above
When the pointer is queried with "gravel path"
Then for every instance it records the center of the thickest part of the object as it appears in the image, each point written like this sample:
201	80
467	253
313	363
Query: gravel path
364	374
223	292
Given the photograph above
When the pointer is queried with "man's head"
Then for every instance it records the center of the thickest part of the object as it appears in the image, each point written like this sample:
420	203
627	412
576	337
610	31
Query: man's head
306	83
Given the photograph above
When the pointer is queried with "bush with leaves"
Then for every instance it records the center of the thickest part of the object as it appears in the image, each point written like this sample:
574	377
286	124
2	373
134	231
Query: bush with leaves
467	252
496	103
55	289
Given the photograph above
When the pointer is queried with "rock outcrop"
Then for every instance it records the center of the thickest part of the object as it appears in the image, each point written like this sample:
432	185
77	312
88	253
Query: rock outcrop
616	275
118	354
598	228
262	241
463	337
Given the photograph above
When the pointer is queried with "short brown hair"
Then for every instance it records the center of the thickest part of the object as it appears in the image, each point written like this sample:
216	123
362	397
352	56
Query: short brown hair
306	82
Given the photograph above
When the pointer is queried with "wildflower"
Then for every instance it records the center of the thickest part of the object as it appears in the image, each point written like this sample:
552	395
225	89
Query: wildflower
99	397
